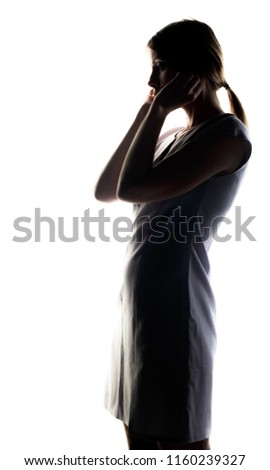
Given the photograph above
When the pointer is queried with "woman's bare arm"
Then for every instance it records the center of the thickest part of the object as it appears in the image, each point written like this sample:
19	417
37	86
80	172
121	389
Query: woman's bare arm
106	187
197	161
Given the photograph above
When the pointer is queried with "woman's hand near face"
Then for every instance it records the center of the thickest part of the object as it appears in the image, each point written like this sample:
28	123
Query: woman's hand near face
182	90
150	97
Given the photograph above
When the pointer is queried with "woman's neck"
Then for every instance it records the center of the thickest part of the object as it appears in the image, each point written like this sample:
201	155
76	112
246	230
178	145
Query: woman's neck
205	107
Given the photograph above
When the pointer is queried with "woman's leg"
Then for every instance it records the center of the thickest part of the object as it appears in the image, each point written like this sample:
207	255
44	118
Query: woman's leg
199	445
135	443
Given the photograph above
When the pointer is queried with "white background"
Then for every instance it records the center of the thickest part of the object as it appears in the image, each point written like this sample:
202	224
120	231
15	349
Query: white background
73	75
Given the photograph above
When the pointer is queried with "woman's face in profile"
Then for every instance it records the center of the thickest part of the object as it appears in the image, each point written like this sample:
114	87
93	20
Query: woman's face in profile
162	72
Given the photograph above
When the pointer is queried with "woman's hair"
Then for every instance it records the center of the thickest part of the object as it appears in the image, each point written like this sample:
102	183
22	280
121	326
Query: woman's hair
191	46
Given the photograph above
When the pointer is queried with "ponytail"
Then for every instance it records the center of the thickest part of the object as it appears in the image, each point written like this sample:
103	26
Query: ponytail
235	105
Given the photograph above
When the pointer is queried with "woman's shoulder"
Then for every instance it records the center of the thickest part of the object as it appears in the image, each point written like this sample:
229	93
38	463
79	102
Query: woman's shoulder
228	124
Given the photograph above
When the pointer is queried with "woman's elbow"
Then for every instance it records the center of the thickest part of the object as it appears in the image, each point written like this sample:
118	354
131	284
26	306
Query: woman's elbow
104	196
127	194
98	194
122	192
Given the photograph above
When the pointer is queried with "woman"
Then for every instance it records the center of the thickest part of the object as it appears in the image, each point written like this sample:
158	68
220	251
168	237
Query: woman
180	184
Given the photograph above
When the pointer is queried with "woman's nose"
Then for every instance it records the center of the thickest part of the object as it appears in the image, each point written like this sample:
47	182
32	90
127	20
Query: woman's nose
153	80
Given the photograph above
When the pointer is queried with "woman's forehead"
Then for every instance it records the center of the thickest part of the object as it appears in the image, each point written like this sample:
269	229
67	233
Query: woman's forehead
155	56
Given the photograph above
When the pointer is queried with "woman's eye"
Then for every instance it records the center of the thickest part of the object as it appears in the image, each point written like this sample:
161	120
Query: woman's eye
161	65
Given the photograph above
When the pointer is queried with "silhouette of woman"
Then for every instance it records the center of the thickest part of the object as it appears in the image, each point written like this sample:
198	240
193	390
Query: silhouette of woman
180	183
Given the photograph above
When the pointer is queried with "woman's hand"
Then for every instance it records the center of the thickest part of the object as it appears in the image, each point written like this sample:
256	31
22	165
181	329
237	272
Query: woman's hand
183	89
151	96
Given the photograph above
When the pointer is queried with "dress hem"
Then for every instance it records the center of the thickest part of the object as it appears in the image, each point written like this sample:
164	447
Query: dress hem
160	439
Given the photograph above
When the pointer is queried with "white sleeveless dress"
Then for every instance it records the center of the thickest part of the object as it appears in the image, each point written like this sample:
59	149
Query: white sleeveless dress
160	381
